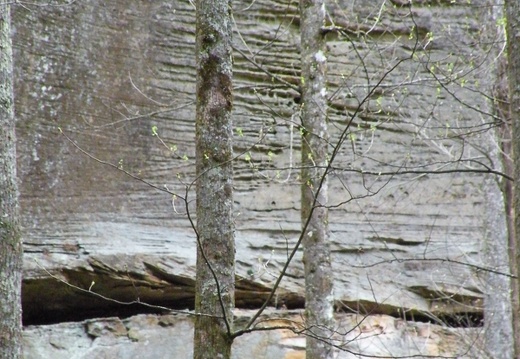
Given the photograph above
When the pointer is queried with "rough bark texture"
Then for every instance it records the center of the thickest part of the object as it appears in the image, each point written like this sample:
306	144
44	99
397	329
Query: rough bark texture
215	280
10	233
319	295
512	11
498	217
497	302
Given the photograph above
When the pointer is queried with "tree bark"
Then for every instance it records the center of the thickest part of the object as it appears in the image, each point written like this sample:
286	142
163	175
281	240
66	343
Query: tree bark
10	236
319	297
513	54
498	219
215	282
497	302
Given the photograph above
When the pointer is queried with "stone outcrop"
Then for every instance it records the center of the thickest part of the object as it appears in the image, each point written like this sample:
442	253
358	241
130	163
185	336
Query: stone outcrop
166	336
105	108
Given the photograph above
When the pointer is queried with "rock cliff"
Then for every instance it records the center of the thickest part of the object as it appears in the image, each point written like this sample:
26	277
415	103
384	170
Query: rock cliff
105	111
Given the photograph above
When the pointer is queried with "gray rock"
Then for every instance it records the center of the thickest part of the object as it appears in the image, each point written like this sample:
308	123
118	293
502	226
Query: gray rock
171	336
118	79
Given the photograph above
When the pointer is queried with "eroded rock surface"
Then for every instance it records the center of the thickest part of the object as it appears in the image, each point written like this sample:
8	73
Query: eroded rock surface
171	336
105	90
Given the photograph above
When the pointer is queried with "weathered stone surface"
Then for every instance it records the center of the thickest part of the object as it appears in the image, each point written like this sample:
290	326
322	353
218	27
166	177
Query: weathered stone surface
118	79
171	336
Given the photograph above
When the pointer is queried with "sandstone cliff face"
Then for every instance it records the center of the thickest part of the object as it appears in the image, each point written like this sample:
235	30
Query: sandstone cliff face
166	336
107	88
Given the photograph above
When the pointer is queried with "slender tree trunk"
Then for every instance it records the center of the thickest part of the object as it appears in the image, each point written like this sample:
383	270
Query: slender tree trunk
10	237
498	223
497	302
215	282
319	296
513	55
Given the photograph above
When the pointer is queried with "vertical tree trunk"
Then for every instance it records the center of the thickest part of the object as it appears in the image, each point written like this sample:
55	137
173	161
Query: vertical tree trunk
319	297
497	302
498	223
10	237
513	54
215	282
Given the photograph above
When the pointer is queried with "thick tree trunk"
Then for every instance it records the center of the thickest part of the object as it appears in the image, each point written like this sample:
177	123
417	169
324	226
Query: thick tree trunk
10	237
513	54
215	282
319	297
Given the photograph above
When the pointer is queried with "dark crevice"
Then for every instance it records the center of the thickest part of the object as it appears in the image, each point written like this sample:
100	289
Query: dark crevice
50	316
469	319
49	301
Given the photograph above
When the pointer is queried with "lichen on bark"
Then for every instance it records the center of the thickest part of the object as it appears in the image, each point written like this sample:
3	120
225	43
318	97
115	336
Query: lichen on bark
319	297
10	238
215	281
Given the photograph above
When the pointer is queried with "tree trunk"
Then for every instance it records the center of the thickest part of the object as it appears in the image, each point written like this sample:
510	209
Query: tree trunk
498	219
319	297
10	236
513	54
497	305
215	282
